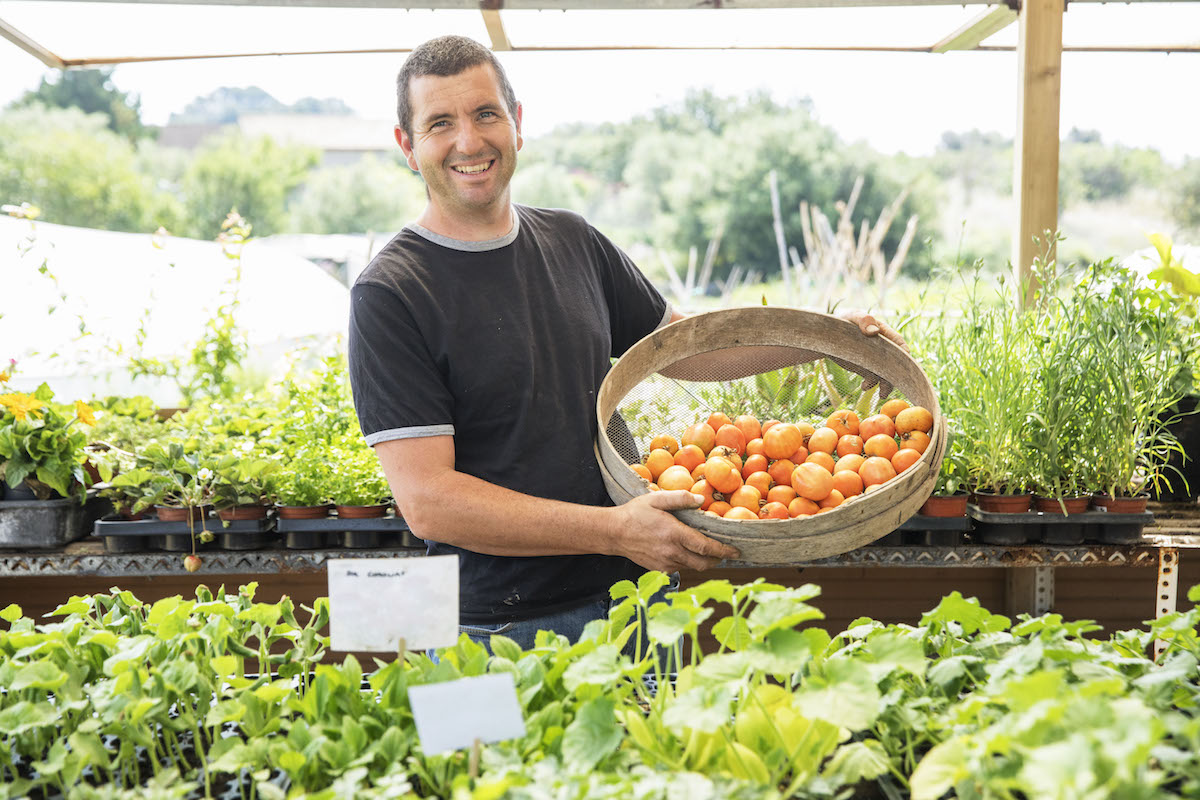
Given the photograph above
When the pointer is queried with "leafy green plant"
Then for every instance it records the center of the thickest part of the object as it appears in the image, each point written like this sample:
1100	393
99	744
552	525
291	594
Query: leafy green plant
41	444
302	479
240	479
355	477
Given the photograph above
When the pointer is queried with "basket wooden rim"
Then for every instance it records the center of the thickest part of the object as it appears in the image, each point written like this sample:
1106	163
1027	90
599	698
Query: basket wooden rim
855	523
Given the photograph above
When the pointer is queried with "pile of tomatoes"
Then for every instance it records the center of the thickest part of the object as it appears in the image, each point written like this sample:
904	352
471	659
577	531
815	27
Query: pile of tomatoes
780	470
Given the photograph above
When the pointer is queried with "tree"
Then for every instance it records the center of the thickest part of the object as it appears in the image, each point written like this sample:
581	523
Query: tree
369	195
1185	195
255	176
91	91
78	172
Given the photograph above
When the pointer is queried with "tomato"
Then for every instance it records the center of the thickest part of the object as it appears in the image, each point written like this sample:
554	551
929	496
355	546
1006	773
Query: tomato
875	424
690	456
800	456
843	422
754	447
760	481
702	435
781	494
847	482
824	440
641	471
823	459
731	436
738	512
755	463
704	490
781	471
904	459
894	407
849	445
773	511
767	425
749	427
720	508
851	462
915	440
914	419
782	440
698	473
664	442
834	500
657	461
876	470
881	445
721	475
675	477
806	430
747	497
717	419
802	507
812	481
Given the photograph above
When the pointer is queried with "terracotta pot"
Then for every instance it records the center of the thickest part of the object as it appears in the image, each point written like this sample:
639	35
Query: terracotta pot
234	513
1049	505
303	512
1003	503
945	505
124	513
180	514
363	512
1120	505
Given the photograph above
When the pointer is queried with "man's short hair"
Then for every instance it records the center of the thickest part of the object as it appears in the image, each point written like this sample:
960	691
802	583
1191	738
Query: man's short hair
446	56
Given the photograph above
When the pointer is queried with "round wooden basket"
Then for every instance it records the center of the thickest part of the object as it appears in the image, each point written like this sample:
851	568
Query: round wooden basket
777	333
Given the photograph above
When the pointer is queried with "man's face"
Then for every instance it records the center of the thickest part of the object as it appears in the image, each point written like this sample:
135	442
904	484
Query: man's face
464	140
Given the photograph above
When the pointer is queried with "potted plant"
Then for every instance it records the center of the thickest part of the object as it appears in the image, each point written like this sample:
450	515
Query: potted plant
949	498
360	491
300	487
180	489
42	446
239	485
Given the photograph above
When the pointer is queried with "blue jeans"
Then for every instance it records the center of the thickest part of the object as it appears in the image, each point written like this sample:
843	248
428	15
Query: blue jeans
569	622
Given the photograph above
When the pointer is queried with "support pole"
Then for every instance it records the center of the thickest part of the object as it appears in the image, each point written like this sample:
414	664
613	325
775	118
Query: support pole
1030	590
1035	152
1167	591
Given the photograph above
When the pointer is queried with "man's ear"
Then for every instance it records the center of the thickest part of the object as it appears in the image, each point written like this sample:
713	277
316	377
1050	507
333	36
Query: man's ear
406	147
520	141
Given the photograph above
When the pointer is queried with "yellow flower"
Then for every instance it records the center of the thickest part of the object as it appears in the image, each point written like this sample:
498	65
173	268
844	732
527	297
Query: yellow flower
85	413
4	376
21	405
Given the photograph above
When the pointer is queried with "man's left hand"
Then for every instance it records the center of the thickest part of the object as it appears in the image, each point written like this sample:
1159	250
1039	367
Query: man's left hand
871	325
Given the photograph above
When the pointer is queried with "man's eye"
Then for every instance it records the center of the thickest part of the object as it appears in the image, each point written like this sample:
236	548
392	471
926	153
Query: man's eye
439	123
489	114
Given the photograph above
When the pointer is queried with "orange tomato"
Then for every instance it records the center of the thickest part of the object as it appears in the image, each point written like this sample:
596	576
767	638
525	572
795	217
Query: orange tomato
675	477
717	419
915	440
761	481
701	435
904	459
781	471
754	463
843	422
657	461
823	439
704	490
731	436
876	470
773	511
847	482
849	445
823	459
642	472
690	456
893	407
800	456
720	508
767	425
802	507
914	419
664	442
834	500
781	494
721	475
782	440
875	424
812	481
851	462
698	473
746	497
749	427
806	430
738	512
881	445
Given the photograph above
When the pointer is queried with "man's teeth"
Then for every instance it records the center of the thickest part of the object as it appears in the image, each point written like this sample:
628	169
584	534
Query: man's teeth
473	170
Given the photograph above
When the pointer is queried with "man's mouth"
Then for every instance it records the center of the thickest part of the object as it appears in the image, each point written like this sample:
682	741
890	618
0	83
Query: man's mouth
474	169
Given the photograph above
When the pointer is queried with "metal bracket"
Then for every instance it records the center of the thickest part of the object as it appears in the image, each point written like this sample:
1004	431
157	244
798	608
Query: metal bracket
1167	592
1030	590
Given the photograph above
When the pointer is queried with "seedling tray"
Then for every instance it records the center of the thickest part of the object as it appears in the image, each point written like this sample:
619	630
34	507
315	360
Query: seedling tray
932	531
309	534
1036	526
131	536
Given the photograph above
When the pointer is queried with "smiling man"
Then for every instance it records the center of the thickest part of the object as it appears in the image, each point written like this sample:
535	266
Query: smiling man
479	337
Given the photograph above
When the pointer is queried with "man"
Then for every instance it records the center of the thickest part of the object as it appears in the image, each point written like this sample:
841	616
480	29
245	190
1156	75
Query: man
478	339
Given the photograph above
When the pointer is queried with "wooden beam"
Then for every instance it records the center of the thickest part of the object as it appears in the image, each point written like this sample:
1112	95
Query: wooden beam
1035	152
495	29
969	36
30	46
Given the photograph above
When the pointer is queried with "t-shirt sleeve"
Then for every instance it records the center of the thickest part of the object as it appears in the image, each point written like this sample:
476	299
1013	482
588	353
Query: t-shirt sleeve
635	307
399	392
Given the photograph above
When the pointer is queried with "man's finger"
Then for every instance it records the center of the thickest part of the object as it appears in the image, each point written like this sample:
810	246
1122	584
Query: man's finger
675	500
707	546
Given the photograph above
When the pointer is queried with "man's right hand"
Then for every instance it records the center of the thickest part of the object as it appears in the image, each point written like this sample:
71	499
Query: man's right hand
652	538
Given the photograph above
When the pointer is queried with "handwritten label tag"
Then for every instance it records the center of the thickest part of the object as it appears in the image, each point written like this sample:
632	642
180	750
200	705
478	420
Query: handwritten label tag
452	715
376	602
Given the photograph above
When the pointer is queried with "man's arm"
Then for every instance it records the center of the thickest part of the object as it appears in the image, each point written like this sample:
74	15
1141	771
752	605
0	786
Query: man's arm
454	508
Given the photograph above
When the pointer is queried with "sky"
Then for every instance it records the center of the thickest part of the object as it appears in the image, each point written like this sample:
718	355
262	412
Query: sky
896	102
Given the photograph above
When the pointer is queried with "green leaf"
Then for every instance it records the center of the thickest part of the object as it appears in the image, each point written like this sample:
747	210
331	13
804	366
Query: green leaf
265	614
650	582
891	651
858	761
506	648
38	675
718	590
667	626
941	768
732	633
11	613
1024	693
972	617
745	764
703	708
598	668
622	589
841	692
24	716
592	736
223	665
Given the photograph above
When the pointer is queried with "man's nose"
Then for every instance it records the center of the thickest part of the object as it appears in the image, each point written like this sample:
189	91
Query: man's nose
469	139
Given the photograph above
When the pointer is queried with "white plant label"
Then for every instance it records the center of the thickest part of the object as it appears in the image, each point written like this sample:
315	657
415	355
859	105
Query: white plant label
452	715
376	602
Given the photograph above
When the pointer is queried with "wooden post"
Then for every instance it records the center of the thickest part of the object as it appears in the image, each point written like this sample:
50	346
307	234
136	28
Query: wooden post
1035	152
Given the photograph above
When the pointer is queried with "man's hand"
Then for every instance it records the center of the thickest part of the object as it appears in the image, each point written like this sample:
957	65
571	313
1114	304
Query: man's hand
652	538
871	325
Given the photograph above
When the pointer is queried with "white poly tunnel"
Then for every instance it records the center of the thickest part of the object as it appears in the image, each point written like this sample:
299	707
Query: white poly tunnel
117	283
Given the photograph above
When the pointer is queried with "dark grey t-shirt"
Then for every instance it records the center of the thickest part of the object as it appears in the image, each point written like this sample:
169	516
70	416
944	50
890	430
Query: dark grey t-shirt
503	344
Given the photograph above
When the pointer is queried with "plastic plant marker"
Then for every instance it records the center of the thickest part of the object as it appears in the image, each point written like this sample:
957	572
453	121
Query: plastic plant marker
374	603
455	714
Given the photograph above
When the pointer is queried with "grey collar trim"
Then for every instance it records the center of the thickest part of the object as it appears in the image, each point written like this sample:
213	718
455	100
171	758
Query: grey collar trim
469	247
